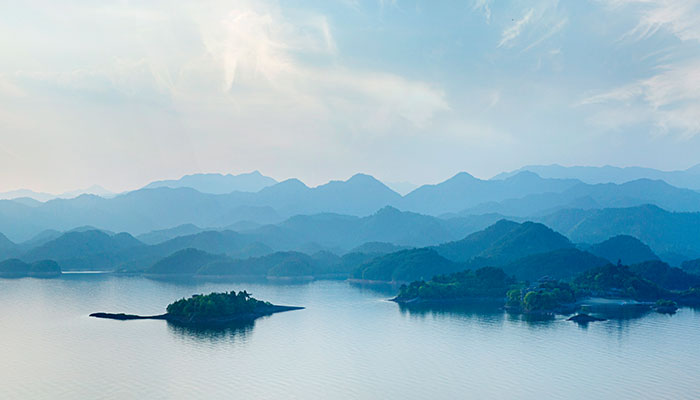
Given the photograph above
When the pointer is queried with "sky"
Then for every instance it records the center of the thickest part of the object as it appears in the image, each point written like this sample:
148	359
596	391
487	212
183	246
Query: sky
121	93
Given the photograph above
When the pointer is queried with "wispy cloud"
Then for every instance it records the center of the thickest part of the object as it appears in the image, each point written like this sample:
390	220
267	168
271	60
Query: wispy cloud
485	7
513	31
670	99
556	28
680	18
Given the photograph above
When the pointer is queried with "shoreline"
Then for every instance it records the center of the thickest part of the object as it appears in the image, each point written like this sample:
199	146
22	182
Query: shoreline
222	320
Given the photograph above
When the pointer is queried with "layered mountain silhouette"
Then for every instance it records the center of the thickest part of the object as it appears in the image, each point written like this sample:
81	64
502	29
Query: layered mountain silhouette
504	242
625	249
405	266
8	249
390	229
584	196
463	191
691	266
365	248
689	178
162	235
386	225
30	197
528	251
522	196
665	276
673	236
85	250
564	263
218	183
209	224
289	264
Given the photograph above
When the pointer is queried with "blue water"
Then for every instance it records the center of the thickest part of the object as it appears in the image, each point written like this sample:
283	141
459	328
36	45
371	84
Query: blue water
349	343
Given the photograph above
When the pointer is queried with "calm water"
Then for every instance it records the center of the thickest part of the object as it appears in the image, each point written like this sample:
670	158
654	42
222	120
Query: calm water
348	344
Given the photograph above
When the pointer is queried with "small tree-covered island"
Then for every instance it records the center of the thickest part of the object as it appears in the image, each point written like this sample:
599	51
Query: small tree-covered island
628	286
210	309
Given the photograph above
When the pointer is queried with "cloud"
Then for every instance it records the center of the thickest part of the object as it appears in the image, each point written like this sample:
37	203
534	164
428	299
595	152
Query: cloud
169	88
513	31
679	18
240	55
485	7
669	99
558	26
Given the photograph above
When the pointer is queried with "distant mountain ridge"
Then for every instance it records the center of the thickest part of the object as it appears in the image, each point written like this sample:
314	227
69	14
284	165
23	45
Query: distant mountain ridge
8	249
43	196
673	236
463	191
688	178
598	196
218	183
527	251
522	196
90	248
504	242
623	248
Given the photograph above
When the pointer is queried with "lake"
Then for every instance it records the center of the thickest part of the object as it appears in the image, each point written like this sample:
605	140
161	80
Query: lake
349	343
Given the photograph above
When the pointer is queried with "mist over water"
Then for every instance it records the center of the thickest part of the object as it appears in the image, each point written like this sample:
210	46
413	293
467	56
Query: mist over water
349	342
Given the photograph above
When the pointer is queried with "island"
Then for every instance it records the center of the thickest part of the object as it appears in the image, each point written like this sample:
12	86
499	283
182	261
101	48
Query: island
643	286
210	309
484	284
664	306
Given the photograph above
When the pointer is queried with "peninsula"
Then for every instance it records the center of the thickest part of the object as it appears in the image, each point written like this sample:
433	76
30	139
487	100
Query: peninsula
210	309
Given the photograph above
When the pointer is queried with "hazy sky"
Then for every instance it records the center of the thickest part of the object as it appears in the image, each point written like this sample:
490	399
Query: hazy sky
124	92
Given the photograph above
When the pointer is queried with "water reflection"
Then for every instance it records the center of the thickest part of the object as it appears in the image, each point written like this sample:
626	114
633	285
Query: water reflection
233	332
385	289
482	312
618	313
620	318
532	320
238	280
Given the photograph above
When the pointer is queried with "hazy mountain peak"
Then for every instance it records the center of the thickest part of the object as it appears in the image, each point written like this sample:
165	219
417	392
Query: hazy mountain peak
89	228
462	177
688	178
291	183
628	249
388	210
217	183
363	178
524	176
95	190
505	241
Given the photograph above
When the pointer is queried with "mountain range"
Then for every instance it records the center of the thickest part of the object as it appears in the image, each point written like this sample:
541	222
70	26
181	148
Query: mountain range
218	183
389	245
384	231
527	251
585	196
688	178
31	197
522	196
673	236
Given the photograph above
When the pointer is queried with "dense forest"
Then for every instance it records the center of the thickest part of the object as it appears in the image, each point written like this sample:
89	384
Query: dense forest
216	305
549	295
